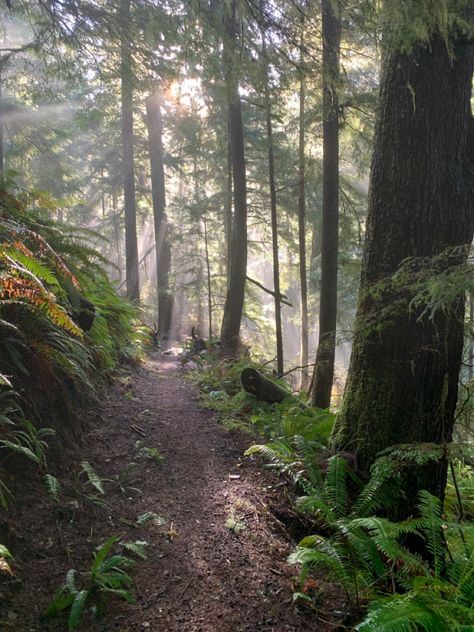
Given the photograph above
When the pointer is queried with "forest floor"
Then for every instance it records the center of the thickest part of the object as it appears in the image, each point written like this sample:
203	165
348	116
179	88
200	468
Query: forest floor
213	521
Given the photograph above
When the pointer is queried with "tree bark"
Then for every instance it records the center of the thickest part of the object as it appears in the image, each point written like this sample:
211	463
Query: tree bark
470	348
162	246
324	367
234	302
273	211
404	370
228	208
2	160
302	232
131	246
208	275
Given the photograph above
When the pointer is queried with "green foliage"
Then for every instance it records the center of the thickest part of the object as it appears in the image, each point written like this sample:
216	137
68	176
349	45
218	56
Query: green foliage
46	270
369	554
92	477
53	486
106	578
406	23
153	454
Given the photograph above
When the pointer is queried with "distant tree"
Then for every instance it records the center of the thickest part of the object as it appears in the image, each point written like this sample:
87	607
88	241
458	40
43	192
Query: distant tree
273	201
128	161
162	245
403	378
302	218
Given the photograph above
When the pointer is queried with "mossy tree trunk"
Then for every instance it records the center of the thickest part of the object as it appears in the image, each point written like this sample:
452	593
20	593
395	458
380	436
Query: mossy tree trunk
403	376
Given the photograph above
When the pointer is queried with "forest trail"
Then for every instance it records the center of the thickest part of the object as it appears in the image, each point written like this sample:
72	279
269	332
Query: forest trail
215	552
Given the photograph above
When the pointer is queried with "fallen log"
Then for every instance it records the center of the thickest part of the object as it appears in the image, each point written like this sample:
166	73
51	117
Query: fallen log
262	387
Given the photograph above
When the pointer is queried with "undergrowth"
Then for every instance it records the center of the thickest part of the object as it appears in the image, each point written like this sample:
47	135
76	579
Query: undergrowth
63	330
392	585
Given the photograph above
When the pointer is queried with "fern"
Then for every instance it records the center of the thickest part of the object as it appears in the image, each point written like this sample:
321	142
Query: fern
138	548
92	477
106	577
431	514
53	487
335	485
400	614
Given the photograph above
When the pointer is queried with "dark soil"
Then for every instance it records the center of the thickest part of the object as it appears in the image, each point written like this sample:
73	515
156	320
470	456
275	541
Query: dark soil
216	557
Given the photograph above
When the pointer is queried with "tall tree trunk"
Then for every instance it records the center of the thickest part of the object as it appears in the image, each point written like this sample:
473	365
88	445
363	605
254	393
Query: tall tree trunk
208	274
234	302
117	235
403	377
2	159
302	229
131	246
324	368
228	208
470	353
162	246
273	212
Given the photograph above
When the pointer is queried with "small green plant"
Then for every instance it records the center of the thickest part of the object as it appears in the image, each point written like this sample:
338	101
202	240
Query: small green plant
5	558
106	578
234	523
92	477
153	454
29	441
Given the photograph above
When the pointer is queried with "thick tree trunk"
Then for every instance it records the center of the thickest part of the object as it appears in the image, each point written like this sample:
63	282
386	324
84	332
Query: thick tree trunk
131	246
273	212
302	237
324	367
162	246
403	377
234	302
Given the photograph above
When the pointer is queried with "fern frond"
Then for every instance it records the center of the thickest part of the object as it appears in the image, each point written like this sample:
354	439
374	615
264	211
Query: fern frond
380	488
53	486
419	453
400	614
431	512
316	551
318	509
92	476
138	548
335	485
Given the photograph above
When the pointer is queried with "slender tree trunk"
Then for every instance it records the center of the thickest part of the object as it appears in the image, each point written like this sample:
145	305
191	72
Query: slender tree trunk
117	235
324	368
234	302
470	368
2	159
403	377
228	207
131	246
302	234
162	246
208	273
273	212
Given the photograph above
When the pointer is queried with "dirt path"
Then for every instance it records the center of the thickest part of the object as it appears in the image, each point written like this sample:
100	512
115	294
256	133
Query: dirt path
215	553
